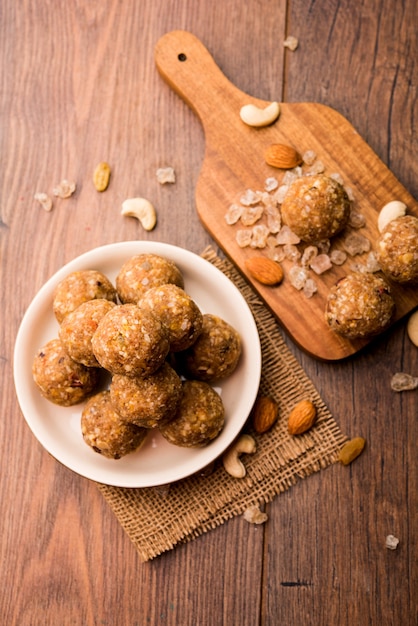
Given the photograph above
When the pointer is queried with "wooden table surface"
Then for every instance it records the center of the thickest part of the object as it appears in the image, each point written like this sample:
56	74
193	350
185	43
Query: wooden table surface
78	85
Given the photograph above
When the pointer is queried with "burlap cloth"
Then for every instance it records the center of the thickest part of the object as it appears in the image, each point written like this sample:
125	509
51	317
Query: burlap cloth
156	519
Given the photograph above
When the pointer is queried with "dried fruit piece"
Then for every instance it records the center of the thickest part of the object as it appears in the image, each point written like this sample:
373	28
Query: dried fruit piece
101	176
281	156
44	200
264	270
65	189
264	414
301	418
351	450
403	382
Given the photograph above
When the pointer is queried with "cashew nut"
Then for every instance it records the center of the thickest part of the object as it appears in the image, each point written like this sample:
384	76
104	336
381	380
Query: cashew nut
389	212
254	116
245	444
142	210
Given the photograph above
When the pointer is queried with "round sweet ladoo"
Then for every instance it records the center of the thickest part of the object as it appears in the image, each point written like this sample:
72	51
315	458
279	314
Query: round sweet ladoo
130	341
105	432
78	287
397	250
215	353
60	379
178	312
316	208
78	327
199	419
147	402
144	271
359	305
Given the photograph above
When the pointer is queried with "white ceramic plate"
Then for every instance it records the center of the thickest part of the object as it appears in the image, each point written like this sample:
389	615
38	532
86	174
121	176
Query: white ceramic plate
156	462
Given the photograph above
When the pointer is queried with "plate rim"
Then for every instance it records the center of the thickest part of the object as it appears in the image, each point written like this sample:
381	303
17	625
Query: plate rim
130	248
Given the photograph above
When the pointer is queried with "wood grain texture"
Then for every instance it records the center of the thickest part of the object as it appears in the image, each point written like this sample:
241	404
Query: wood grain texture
78	84
234	161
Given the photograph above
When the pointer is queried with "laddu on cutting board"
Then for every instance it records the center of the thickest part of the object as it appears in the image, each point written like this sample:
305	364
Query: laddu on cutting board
234	161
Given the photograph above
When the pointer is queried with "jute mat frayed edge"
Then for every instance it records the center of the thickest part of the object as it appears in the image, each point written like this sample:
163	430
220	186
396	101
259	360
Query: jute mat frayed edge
157	519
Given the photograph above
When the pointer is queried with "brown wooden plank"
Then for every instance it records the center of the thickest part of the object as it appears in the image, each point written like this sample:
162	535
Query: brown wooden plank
78	84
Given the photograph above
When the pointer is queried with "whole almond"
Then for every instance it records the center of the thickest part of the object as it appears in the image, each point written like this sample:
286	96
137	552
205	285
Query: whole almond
282	156
265	270
264	414
301	418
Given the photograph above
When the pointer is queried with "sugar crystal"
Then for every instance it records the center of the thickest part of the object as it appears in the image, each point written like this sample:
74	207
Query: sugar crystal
233	214
357	220
403	382
166	175
298	276
251	214
320	264
309	253
291	252
243	237
372	264
317	168
259	236
338	257
271	183
309	157
355	243
281	193
273	221
249	197
287	236
310	288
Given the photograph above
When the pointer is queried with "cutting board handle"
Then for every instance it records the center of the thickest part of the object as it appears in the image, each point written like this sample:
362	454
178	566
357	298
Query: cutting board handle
189	69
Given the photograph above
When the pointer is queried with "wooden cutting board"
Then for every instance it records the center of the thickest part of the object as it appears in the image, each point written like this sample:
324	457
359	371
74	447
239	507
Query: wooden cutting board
234	161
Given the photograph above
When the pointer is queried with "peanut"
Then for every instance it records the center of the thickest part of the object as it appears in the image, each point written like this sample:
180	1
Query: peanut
101	176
